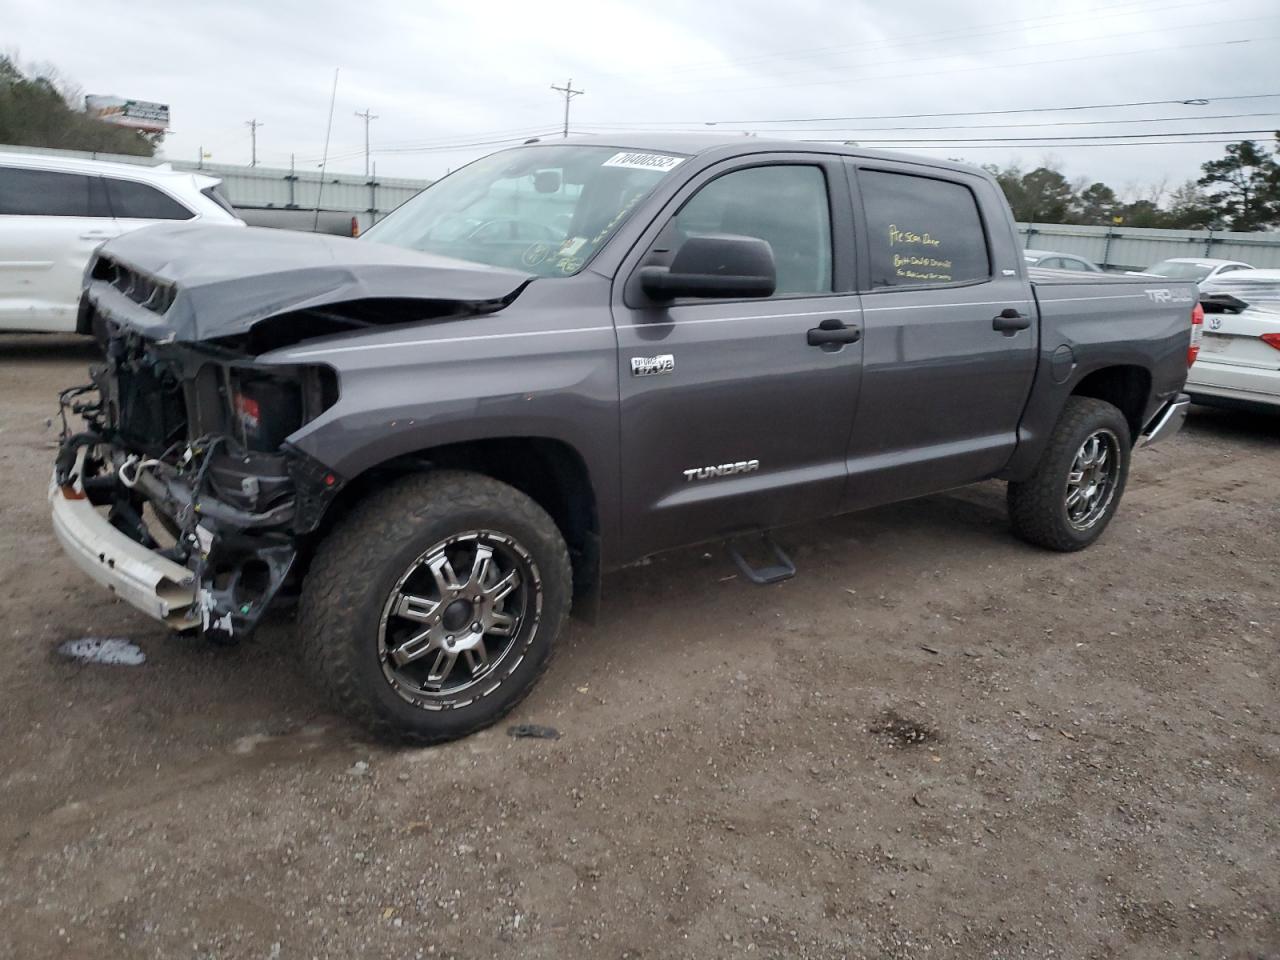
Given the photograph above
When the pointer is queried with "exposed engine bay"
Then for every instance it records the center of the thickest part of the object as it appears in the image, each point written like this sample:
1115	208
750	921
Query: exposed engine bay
185	446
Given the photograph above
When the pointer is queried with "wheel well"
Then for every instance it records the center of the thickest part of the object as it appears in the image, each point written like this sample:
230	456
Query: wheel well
1126	388
549	472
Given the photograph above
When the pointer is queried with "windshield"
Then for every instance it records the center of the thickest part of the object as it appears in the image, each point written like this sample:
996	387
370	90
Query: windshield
544	210
1180	271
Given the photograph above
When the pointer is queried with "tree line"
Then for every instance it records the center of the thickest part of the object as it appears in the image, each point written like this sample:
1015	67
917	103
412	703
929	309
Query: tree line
1239	191
39	108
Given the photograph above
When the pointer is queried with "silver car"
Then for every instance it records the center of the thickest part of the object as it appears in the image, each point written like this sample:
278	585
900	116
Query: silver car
1051	260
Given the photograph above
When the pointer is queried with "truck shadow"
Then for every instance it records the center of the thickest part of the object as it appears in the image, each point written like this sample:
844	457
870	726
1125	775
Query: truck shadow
903	540
1221	423
46	347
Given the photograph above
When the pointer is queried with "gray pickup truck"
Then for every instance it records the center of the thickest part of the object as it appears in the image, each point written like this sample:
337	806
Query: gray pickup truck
566	357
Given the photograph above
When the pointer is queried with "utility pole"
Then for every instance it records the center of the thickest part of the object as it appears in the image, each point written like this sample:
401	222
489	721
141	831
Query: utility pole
253	126
569	94
367	117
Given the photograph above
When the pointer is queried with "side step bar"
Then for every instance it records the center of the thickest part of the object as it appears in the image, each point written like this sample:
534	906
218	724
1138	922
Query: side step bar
781	569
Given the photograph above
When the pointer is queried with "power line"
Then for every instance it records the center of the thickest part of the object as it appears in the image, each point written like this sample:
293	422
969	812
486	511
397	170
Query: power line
368	116
1023	126
1055	146
1117	10
1109	136
1189	101
253	126
999	64
569	94
1004	49
516	134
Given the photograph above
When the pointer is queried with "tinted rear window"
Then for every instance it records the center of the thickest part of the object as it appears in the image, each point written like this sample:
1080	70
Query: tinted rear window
137	201
45	193
923	232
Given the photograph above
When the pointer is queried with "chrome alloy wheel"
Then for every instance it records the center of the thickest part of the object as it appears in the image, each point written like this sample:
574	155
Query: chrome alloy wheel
1092	480
447	637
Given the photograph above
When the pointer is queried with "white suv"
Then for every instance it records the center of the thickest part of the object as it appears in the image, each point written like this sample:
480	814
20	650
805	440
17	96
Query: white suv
54	212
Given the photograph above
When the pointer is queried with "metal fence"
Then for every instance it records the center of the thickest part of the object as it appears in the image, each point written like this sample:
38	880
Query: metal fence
275	188
1130	248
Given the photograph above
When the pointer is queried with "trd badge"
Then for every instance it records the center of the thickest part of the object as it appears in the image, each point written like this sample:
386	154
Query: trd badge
653	366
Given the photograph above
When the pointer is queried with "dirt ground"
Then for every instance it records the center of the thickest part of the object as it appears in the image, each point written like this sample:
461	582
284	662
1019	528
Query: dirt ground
933	742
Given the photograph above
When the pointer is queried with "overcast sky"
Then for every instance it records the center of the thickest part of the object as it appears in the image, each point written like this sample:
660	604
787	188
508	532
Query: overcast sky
441	74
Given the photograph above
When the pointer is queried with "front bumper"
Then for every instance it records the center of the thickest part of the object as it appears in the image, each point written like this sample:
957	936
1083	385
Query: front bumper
1167	421
156	585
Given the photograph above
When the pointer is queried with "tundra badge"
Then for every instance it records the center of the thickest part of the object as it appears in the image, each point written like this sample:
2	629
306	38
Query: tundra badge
722	470
653	366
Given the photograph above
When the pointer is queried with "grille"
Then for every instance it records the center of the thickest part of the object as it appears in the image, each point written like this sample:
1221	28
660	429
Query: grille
148	292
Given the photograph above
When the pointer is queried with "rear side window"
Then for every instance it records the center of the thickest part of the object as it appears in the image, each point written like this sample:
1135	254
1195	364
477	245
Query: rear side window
46	193
137	201
923	232
215	194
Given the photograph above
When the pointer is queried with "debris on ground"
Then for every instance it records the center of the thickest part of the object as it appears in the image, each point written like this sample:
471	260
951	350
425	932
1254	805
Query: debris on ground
112	651
901	731
534	731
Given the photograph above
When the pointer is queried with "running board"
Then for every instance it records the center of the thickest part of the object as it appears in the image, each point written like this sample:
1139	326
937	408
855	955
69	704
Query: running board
782	569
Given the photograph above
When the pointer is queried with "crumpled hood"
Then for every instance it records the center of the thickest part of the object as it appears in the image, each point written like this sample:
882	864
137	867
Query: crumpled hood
218	282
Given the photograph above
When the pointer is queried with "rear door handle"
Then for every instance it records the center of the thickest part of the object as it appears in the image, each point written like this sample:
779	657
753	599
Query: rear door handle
833	331
1010	321
95	235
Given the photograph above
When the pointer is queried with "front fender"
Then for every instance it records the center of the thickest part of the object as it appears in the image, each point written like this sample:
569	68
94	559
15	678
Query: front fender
405	395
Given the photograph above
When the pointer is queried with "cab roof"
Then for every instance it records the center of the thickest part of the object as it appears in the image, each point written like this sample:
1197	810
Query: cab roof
700	144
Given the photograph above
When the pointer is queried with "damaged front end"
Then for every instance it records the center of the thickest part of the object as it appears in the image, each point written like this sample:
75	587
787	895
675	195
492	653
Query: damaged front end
206	503
182	492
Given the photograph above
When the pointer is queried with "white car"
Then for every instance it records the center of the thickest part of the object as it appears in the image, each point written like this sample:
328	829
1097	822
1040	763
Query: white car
1255	287
54	212
1239	359
1198	269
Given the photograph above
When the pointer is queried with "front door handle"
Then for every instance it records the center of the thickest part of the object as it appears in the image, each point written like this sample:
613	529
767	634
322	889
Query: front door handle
834	332
1010	321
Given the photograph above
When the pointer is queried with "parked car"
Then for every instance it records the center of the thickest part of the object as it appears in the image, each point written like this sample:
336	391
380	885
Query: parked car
443	440
1196	269
1255	287
55	211
1051	260
1239	360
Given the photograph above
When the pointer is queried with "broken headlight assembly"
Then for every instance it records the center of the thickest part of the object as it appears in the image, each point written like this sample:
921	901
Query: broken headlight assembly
188	449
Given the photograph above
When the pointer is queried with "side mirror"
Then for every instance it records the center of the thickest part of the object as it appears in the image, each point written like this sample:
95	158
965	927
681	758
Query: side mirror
716	265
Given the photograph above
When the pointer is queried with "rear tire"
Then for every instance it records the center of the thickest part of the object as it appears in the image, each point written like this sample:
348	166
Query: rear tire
432	608
1076	487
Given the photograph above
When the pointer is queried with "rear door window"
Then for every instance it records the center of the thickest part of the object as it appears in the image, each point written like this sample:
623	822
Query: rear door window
131	200
49	193
922	231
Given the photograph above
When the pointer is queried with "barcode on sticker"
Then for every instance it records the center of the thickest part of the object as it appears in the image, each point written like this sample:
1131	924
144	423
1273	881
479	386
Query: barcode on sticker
644	161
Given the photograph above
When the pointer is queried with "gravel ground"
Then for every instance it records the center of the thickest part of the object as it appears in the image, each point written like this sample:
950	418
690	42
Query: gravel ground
934	742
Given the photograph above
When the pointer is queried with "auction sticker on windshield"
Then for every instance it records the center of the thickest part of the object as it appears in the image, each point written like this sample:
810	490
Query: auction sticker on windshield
643	161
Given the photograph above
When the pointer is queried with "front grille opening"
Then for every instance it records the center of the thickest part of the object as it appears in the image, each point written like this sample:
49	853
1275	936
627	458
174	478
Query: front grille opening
146	291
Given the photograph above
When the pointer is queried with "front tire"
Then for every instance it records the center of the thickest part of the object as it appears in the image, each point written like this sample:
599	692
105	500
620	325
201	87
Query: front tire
1077	485
432	608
